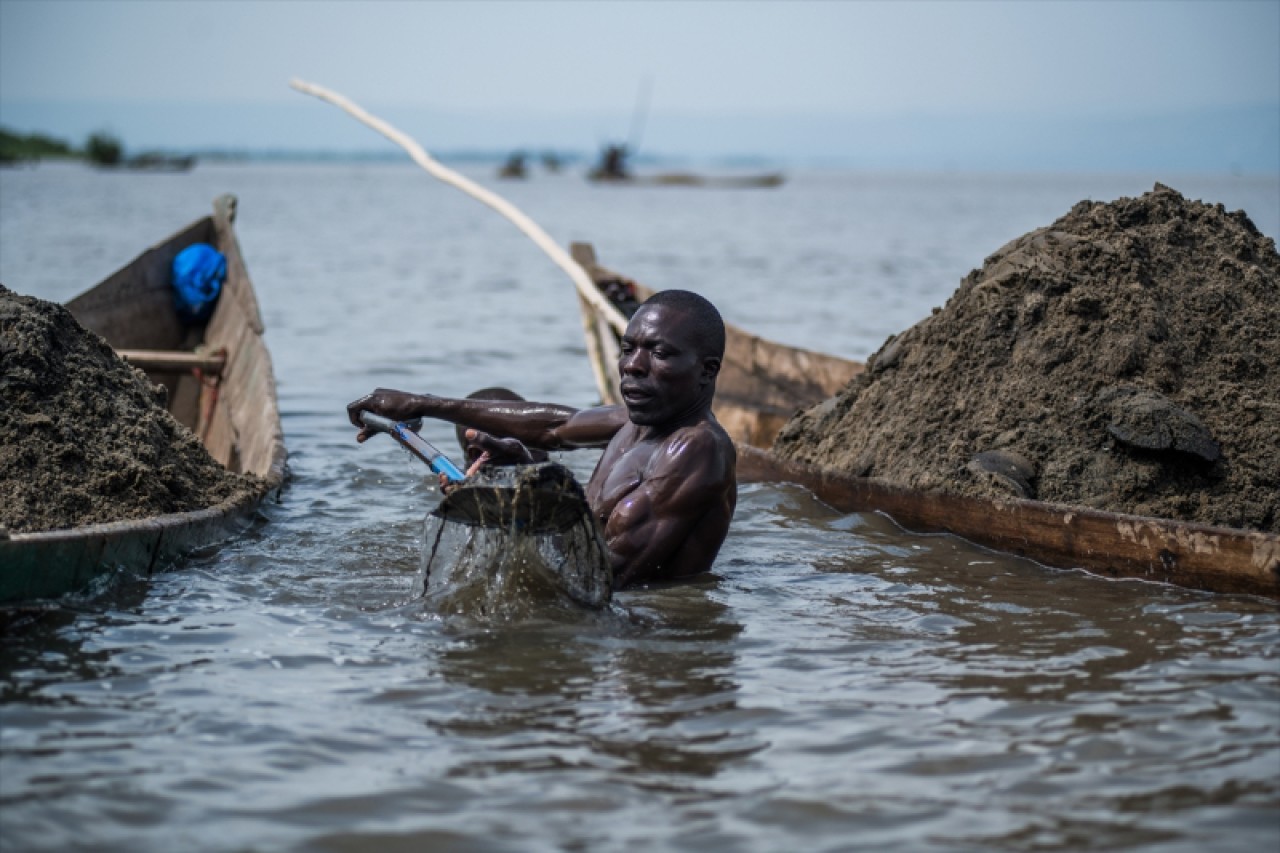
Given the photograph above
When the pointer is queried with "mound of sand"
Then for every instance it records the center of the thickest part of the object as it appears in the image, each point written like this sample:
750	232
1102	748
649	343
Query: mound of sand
1125	358
84	437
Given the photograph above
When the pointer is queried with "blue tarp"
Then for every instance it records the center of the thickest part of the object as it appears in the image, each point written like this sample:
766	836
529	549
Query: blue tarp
198	273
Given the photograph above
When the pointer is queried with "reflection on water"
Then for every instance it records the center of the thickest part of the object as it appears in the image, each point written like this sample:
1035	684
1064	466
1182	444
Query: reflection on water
837	684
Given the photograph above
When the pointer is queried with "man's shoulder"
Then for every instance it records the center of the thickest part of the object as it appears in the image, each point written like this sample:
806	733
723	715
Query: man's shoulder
705	430
704	441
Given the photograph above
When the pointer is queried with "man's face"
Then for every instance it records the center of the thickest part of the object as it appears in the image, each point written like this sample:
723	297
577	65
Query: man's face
664	375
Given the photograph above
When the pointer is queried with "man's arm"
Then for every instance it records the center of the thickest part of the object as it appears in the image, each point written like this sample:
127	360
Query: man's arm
674	522
545	426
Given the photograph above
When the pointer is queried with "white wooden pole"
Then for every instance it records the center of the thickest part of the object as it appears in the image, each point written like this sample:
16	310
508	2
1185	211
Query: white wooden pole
585	286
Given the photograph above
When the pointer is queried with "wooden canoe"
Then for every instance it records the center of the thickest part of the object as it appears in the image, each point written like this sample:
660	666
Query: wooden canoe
234	411
763	382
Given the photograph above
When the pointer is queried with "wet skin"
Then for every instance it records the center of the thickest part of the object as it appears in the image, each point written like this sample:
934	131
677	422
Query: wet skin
664	489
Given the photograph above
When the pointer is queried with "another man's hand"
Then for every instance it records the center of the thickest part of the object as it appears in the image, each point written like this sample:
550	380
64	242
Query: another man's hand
482	448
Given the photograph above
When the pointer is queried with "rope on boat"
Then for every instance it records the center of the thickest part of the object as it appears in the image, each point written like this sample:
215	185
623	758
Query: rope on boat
581	280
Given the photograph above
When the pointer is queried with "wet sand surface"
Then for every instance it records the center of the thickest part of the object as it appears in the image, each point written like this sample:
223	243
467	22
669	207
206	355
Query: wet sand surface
1125	357
84	437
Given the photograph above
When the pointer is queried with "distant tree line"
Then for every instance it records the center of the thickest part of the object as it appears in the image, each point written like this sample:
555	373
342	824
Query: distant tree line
100	149
15	147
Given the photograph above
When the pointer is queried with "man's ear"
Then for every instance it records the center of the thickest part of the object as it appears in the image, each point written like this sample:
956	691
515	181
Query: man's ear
710	366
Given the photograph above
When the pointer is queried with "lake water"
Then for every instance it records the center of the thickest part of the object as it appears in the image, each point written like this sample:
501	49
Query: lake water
836	684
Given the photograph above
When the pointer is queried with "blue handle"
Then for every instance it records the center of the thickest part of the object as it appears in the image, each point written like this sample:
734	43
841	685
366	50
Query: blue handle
442	465
415	444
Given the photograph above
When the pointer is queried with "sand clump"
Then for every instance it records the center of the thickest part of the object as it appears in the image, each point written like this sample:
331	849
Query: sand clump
84	437
1125	358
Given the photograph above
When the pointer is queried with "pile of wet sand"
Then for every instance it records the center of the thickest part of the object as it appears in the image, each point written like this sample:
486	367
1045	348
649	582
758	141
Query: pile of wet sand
84	437
1125	358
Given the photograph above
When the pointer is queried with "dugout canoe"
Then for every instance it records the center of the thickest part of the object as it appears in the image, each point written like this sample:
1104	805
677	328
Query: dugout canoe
221	386
762	383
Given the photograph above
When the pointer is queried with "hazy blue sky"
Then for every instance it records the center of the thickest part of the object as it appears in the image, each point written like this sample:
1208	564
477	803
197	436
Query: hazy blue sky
504	70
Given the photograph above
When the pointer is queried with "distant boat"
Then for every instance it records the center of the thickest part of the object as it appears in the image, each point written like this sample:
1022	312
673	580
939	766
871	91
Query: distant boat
149	163
612	169
154	162
689	179
104	151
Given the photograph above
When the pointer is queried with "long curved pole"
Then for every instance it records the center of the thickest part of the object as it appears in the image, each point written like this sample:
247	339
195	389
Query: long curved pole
585	286
638	116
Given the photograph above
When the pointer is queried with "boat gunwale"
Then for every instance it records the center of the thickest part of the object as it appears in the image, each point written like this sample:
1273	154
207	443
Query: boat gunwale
1161	550
247	499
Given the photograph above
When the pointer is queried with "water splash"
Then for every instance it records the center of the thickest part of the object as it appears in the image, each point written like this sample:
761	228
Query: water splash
512	540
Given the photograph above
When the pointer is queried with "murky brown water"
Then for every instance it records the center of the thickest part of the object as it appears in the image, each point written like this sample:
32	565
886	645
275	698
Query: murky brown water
838	684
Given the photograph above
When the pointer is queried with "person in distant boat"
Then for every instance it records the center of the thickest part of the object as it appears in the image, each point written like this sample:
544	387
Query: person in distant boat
513	167
613	164
665	487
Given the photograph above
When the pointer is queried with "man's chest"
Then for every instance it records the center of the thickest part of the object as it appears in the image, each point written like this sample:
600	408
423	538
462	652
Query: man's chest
621	470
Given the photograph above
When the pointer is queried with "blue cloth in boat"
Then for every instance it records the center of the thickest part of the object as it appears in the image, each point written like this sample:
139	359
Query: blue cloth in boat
198	273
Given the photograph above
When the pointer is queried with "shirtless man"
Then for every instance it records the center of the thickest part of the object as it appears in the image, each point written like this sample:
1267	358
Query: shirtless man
665	487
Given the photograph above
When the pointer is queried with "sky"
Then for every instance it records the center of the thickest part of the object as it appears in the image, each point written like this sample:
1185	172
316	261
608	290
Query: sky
931	83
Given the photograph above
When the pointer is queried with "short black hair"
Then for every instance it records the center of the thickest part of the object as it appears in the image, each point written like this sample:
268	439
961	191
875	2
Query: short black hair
708	326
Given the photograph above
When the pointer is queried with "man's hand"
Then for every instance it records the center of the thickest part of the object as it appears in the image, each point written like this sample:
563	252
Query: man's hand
397	405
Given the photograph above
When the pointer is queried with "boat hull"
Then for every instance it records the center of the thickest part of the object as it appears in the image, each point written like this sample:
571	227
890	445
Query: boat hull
238	419
50	564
